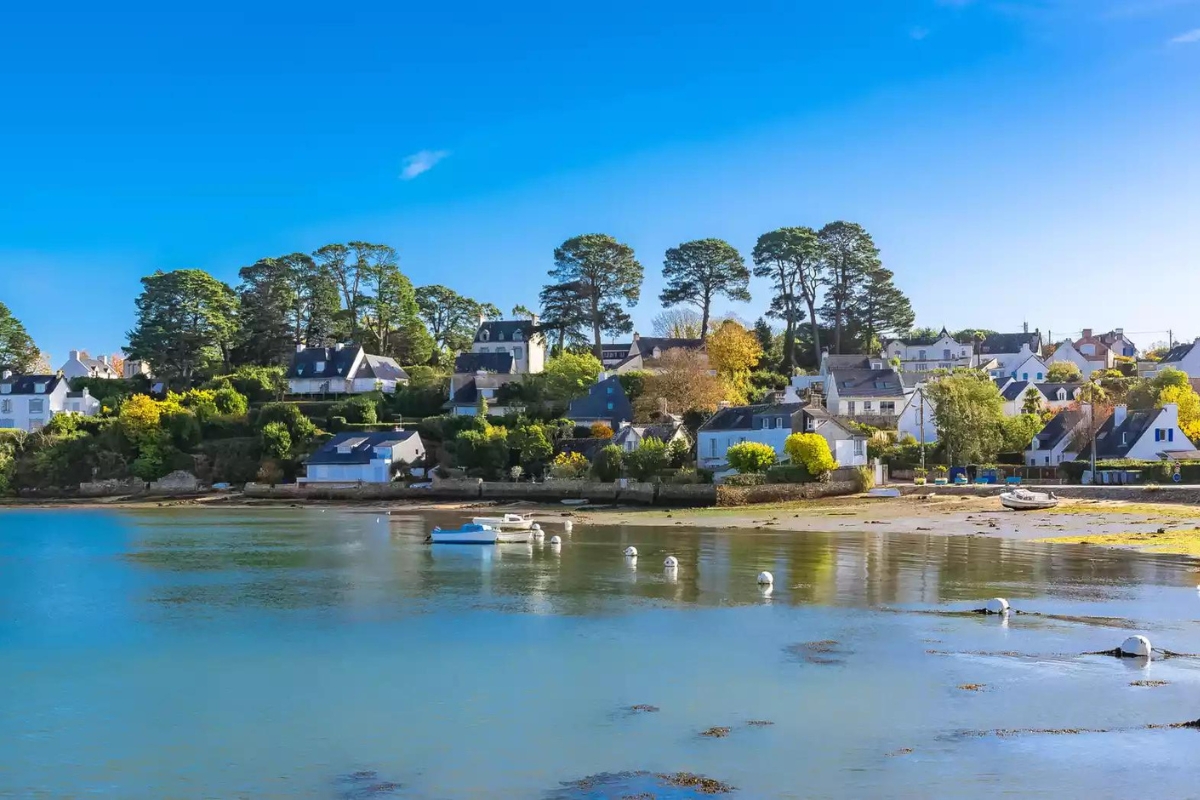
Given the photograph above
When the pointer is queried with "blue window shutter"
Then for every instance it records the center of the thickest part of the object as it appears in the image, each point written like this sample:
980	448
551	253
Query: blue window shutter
1170	434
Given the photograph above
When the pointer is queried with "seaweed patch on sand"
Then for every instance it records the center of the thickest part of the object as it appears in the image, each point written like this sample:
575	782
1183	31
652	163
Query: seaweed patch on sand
641	784
365	785
716	732
825	651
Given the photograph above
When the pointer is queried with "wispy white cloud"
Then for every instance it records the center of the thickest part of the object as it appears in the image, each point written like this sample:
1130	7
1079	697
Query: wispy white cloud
918	32
1191	37
421	162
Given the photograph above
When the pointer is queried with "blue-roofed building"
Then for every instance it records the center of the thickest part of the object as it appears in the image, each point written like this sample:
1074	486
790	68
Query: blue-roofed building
605	402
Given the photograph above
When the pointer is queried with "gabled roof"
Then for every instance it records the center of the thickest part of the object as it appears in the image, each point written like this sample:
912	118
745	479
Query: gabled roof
381	368
924	341
646	344
1051	389
1009	342
867	383
324	362
1062	425
98	365
1114	441
595	404
663	431
587	447
1178	353
503	330
362	446
27	384
822	418
742	417
1016	390
483	362
833	362
468	393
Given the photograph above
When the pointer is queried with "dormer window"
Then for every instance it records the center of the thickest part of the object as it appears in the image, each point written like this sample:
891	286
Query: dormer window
320	366
500	335
516	337
40	388
485	335
656	353
1062	394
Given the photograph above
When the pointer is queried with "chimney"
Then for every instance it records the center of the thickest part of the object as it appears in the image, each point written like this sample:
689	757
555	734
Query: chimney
1025	326
535	319
602	377
1119	331
5	374
1119	414
636	336
103	360
299	347
1087	333
338	347
73	355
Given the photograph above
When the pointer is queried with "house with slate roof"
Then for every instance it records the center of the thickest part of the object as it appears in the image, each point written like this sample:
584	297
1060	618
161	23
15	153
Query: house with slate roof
667	430
849	447
520	339
766	423
605	402
80	365
613	353
858	393
27	402
927	354
1055	396
1185	357
342	369
1142	435
645	351
1059	439
1067	351
367	457
1114	342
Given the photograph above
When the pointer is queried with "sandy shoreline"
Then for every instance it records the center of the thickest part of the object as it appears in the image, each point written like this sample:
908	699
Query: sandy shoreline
1154	527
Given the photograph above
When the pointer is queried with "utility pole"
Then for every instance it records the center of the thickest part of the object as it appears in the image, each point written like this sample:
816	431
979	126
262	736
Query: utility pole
921	417
1092	428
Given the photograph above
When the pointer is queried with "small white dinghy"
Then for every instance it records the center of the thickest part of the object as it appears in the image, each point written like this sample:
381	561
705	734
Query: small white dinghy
511	522
1025	500
469	533
513	537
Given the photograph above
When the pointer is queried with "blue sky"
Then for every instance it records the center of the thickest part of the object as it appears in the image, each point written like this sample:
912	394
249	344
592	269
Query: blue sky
1016	160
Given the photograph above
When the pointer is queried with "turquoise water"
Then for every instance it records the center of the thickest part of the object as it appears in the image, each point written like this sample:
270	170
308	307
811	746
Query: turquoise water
317	653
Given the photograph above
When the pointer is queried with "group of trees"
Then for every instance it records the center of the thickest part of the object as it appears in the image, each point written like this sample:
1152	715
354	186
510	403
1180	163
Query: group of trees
17	350
832	279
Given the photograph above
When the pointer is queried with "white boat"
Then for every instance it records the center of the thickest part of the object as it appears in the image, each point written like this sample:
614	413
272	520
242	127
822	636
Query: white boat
469	533
514	537
512	522
1025	500
883	491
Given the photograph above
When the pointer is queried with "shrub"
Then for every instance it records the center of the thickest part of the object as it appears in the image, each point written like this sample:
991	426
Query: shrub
746	479
812	451
648	460
600	431
532	446
230	402
483	452
276	441
788	473
226	427
686	476
299	426
864	479
569	466
183	428
358	410
751	456
257	384
270	472
608	464
679	452
336	424
232	460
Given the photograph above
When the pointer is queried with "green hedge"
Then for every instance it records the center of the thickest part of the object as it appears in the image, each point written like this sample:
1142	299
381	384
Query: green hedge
1151	471
786	473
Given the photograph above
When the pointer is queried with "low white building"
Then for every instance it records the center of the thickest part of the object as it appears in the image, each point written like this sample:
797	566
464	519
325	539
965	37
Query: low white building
342	369
916	418
878	394
849	448
1023	365
765	423
80	365
1059	440
1141	435
27	402
926	355
375	457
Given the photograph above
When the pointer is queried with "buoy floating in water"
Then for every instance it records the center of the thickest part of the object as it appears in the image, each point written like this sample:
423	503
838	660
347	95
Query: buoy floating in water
631	552
765	579
997	605
555	540
538	533
568	525
1138	646
671	563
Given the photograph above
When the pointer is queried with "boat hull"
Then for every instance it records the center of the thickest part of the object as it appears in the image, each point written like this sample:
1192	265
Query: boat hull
506	524
467	534
1027	503
514	537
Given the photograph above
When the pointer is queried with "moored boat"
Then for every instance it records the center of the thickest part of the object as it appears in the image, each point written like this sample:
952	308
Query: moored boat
468	533
514	536
512	522
1025	500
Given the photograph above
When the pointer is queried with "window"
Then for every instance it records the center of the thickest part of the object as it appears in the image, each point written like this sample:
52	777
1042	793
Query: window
7	423
516	337
484	335
517	353
37	406
1088	349
1024	376
6	406
946	353
1062	394
922	367
921	355
500	349
485	349
712	449
860	447
320	366
609	390
1047	461
1039	376
866	406
887	407
500	336
850	407
40	388
610	408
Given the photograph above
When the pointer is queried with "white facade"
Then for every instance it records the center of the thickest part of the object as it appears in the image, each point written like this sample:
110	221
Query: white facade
945	353
27	402
1067	352
711	446
849	449
916	418
527	347
852	405
378	464
342	369
1183	357
1161	436
79	366
1022	366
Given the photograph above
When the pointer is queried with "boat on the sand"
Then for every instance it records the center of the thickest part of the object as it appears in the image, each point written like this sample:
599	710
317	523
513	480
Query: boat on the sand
1026	500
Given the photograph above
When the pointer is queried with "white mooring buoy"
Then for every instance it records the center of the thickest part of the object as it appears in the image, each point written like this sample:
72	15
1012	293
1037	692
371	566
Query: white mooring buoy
671	563
631	552
1138	646
765	579
997	605
538	533
555	540
568	525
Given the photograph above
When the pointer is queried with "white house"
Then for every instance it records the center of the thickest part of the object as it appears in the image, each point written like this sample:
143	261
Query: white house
134	367
765	423
670	429
1106	346
1023	365
1141	435
849	448
925	355
1058	440
342	369
916	418
874	393
521	339
27	402
1185	357
1054	396
1069	353
80	365
373	457
466	391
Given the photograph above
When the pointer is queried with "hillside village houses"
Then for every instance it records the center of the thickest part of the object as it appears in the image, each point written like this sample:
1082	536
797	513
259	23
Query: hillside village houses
1059	440
926	355
771	424
502	352
342	369
28	402
645	351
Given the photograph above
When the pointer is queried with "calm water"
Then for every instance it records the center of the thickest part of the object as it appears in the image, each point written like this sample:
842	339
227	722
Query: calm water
324	654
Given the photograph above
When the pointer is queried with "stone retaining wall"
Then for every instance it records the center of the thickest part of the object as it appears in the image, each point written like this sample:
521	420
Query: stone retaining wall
781	492
1128	494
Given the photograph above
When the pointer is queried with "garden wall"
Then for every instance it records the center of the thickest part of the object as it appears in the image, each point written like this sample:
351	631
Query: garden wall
782	492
